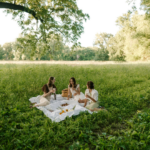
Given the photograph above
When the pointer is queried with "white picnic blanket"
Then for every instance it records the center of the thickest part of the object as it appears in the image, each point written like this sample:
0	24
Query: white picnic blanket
55	106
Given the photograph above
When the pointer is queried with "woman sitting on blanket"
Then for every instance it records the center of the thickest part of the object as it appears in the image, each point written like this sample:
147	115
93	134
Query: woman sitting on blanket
45	98
91	100
75	90
51	86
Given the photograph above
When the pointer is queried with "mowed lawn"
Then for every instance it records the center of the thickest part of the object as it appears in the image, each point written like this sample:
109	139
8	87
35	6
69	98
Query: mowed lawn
124	90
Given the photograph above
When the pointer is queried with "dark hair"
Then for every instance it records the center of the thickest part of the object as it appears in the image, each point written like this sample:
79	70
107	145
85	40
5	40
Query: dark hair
74	80
45	88
90	84
50	84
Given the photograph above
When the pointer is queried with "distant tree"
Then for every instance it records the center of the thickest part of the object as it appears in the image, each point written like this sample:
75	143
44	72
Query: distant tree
7	47
1	53
78	56
102	55
135	35
145	5
81	57
115	47
17	55
132	41
55	44
101	41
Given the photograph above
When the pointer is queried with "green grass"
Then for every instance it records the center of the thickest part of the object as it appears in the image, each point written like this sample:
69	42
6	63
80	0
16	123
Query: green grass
123	91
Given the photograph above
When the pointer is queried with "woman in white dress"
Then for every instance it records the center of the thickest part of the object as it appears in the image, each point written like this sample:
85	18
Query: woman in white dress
91	100
45	98
51	86
74	89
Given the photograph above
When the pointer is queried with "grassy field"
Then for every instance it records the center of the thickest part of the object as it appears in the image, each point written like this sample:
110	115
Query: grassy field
124	90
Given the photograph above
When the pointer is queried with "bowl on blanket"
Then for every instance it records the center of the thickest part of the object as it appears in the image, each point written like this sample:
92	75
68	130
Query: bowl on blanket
65	93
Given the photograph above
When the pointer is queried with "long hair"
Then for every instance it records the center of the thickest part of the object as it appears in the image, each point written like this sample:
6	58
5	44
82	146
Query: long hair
74	80
45	88
90	84
50	83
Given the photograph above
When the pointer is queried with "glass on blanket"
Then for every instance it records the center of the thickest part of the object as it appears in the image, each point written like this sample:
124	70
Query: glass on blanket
54	89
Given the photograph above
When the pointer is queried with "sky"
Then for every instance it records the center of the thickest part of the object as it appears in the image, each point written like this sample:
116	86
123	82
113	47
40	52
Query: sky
103	16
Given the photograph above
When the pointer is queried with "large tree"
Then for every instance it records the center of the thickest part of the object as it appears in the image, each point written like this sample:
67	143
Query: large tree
1	53
39	19
132	41
101	41
145	5
7	47
30	52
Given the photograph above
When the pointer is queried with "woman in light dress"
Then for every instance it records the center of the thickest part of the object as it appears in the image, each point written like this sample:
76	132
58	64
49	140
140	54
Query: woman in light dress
45	98
91	100
48	89
74	89
51	86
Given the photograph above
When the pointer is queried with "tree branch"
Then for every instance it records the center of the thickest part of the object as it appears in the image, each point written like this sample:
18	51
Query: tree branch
19	7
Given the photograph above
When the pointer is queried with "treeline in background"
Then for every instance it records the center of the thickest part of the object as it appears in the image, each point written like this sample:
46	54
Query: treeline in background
8	52
131	43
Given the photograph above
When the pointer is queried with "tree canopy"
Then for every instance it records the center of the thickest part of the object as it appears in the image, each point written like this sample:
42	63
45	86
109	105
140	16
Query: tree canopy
42	19
131	42
61	21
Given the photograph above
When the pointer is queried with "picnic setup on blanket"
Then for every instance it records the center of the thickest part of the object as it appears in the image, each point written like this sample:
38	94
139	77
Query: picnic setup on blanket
57	110
70	103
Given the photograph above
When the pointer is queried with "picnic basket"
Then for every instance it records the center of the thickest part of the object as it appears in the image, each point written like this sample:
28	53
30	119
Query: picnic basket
65	93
